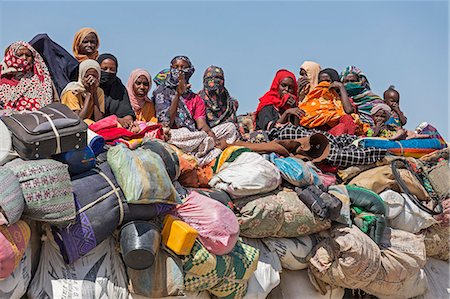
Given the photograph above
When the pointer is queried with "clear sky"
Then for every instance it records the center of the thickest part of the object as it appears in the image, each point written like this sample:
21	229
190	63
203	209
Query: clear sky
403	43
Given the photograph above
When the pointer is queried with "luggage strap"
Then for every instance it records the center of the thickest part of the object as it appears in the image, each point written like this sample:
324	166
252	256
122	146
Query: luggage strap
52	124
114	190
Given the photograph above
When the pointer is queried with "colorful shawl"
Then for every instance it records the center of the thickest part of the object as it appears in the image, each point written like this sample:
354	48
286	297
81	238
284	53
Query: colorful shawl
364	100
220	106
322	106
165	93
34	90
273	98
78	39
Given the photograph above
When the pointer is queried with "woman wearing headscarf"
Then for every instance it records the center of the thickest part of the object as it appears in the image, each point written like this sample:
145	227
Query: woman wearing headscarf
117	101
25	82
358	89
85	97
308	79
220	106
354	74
327	106
176	104
278	106
138	86
85	44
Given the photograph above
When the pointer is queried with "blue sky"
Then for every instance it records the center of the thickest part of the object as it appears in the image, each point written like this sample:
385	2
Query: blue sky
403	43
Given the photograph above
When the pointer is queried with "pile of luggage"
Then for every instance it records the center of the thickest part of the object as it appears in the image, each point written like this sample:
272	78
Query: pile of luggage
83	219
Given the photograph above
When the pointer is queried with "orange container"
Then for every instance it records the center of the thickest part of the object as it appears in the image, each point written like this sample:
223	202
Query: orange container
178	236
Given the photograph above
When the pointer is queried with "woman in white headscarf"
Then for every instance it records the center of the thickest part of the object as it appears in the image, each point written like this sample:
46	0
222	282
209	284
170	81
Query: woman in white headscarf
85	97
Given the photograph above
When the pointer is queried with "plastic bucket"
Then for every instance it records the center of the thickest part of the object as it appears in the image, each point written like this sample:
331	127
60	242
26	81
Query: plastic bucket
139	242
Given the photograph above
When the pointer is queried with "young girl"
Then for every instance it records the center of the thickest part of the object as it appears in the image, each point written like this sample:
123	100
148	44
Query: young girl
381	114
392	99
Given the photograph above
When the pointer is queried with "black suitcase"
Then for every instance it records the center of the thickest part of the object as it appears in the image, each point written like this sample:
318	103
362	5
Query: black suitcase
51	130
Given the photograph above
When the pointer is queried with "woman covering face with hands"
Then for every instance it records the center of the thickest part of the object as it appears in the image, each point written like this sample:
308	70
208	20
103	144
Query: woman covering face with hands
279	105
85	97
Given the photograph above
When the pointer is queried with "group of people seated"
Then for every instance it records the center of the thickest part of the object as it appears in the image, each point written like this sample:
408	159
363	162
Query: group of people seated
37	73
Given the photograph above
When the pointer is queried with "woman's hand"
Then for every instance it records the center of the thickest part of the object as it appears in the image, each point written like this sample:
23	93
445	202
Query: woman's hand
291	101
91	83
182	86
336	84
125	122
295	111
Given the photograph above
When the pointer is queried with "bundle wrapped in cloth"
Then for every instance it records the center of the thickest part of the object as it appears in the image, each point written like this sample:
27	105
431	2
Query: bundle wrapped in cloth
224	276
47	190
277	214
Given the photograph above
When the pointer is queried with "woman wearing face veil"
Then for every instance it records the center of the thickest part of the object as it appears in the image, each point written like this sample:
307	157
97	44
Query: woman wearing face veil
117	101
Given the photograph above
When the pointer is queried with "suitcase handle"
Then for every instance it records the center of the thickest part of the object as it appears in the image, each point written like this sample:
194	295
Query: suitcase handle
58	137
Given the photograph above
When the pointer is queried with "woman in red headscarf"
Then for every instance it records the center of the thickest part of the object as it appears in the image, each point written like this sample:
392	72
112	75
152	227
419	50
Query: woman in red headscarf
279	105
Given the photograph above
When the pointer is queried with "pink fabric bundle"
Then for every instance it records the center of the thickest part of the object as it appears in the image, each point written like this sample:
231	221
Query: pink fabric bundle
13	243
216	224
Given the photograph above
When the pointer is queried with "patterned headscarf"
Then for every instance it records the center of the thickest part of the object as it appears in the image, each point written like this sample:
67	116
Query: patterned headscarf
172	77
78	39
78	86
220	106
161	76
165	93
137	103
34	89
356	71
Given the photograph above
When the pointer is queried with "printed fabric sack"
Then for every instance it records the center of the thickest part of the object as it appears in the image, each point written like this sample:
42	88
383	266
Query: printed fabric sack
15	285
46	189
296	171
403	214
99	274
346	258
216	224
164	278
249	174
12	202
142	176
292	251
224	276
402	259
278	214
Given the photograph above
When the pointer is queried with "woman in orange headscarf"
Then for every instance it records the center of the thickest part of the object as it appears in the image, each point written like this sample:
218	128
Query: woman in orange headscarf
279	105
85	44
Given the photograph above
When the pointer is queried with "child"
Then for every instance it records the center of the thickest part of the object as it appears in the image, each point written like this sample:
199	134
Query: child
392	99
381	113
